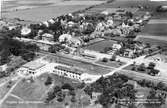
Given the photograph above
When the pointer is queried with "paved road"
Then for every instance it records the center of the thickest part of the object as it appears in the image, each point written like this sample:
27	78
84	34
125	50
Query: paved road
2	84
9	92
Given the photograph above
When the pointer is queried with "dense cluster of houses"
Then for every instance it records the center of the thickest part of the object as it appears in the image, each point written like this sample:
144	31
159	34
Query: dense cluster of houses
74	31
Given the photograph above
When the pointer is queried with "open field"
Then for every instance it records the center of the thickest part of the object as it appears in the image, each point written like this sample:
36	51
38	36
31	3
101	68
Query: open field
99	46
41	11
135	3
155	29
161	43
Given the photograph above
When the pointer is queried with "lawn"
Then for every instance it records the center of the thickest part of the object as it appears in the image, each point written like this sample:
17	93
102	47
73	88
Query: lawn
99	46
30	91
113	64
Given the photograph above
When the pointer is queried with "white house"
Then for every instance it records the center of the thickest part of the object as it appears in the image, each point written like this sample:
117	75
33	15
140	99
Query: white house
25	31
64	37
116	46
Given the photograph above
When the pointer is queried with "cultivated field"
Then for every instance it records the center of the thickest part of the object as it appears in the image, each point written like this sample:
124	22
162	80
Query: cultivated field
42	11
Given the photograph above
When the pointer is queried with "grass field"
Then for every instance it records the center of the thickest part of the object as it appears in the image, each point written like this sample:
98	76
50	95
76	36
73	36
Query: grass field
161	43
42	11
155	30
99	46
114	64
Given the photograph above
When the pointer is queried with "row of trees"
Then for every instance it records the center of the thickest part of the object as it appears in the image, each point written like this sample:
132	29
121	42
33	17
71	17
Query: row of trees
150	69
150	84
155	99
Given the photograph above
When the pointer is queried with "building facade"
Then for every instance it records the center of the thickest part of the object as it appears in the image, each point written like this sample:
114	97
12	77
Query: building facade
68	72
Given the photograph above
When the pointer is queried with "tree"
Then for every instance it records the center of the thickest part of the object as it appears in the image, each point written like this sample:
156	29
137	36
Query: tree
57	89
72	93
88	90
48	81
160	86
104	60
60	96
141	67
60	99
73	99
129	14
50	96
67	86
151	65
82	85
113	58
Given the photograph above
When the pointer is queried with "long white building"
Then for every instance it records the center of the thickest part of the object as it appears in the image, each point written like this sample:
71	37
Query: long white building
68	72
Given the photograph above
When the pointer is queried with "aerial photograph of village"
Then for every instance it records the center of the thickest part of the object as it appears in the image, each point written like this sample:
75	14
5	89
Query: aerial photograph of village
83	54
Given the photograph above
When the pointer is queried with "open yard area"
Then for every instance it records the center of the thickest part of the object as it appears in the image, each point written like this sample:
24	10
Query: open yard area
99	46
